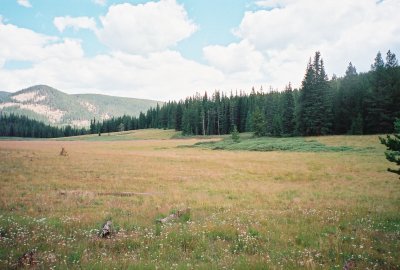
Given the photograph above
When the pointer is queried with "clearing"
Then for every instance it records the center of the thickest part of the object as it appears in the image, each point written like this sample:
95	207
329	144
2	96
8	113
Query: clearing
301	206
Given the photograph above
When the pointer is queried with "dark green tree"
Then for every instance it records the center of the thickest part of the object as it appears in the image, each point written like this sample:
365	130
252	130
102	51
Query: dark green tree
355	104
258	125
378	115
391	60
235	135
178	117
349	102
21	126
357	125
393	147
378	63
276	127
288	121
315	115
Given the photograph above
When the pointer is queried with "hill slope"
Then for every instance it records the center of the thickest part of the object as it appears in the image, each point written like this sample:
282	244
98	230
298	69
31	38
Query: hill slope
4	95
52	106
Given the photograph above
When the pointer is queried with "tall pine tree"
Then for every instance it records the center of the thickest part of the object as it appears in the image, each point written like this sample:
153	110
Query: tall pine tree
315	115
288	123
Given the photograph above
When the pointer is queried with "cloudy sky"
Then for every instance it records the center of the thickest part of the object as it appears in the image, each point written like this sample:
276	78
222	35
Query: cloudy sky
170	49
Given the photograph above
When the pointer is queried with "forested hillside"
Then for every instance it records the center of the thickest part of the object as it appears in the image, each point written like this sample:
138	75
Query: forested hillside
3	95
21	126
51	106
358	103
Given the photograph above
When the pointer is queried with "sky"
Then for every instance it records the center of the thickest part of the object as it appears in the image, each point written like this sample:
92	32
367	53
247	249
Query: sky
171	49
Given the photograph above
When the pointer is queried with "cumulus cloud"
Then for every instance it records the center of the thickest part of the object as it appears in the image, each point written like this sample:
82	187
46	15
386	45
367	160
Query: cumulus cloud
273	48
100	2
144	28
24	3
240	63
61	23
160	75
236	57
61	63
26	45
287	32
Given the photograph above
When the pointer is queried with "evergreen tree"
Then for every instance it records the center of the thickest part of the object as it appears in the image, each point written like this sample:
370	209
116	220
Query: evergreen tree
276	129
235	135
378	117
349	101
326	112
121	127
378	63
391	60
259	126
315	107
357	125
288	123
393	147
178	117
392	83
21	126
355	104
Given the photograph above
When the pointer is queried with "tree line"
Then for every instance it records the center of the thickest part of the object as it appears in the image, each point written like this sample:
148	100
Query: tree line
357	103
12	125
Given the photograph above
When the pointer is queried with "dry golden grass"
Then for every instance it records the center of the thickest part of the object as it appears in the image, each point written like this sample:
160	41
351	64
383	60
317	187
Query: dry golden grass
144	134
249	209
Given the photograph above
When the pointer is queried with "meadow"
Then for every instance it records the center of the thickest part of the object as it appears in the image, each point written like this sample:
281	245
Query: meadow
270	203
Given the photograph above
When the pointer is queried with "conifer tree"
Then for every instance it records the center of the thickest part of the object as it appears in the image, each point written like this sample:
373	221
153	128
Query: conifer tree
288	123
259	126
393	147
356	125
315	112
391	60
378	101
355	104
178	117
378	63
276	129
235	135
349	102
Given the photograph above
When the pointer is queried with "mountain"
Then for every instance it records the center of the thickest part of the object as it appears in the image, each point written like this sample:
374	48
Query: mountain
44	103
4	95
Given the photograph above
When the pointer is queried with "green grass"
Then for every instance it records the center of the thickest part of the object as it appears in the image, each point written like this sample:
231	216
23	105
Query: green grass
294	144
304	209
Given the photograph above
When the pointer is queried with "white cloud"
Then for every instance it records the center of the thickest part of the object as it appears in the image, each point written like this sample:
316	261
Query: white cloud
61	23
270	4
27	45
161	75
236	57
24	3
61	63
100	2
287	32
240	62
274	48
143	28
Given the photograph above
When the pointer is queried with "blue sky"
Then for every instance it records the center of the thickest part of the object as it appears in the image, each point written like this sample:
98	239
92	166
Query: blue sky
169	49
215	20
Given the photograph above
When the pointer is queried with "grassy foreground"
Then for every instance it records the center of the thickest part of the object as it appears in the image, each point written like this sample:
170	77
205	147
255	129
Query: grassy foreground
285	209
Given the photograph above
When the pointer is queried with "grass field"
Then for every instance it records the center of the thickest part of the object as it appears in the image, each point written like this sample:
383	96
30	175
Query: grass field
292	208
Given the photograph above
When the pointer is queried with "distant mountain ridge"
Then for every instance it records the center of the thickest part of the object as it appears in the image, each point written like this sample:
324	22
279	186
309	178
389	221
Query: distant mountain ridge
4	95
47	104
